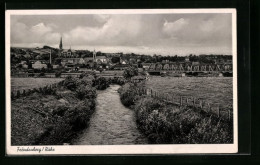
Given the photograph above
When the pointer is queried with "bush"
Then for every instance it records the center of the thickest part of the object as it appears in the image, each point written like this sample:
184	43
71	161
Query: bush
129	93
41	74
85	92
130	72
170	124
48	91
101	83
80	115
60	110
58	73
70	83
118	80
87	80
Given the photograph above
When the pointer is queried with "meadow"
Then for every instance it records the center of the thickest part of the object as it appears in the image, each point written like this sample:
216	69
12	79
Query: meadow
30	83
166	123
215	90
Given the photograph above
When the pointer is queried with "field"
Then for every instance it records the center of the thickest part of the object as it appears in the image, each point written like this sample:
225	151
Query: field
217	90
30	83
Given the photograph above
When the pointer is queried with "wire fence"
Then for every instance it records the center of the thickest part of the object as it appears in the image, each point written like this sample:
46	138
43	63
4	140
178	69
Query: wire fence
190	101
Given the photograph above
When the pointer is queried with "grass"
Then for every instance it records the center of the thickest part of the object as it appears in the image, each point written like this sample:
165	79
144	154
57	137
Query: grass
52	118
165	123
216	90
30	83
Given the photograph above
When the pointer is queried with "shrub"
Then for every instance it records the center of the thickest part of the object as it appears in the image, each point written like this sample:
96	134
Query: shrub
60	110
87	80
41	74
118	80
101	83
48	91
58	73
70	83
129	93
130	72
31	75
83	75
79	116
85	92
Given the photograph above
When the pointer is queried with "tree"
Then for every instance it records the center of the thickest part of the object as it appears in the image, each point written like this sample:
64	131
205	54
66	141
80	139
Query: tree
115	59
130	72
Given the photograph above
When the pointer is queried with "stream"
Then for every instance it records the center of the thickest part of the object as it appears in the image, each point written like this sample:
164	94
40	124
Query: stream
112	123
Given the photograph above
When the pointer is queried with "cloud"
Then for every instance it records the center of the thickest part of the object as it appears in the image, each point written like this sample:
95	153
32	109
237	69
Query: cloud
39	33
115	30
147	33
171	28
40	29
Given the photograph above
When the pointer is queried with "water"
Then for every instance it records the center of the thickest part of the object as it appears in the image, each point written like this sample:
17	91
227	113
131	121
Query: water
112	123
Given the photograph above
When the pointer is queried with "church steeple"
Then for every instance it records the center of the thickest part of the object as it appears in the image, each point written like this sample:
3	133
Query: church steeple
60	43
94	55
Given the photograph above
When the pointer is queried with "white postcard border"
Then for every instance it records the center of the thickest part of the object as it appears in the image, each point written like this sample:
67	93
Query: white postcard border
120	149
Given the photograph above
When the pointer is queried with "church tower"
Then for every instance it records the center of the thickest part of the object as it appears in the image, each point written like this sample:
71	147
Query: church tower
94	56
60	43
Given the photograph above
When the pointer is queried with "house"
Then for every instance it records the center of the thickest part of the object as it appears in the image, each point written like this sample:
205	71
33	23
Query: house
146	66
67	53
25	66
101	59
39	65
132	61
74	61
165	61
88	60
23	62
195	63
55	66
123	61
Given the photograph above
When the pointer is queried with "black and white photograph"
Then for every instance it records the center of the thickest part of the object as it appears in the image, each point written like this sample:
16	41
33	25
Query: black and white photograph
151	81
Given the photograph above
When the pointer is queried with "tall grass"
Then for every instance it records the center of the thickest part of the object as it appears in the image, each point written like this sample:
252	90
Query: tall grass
66	110
169	124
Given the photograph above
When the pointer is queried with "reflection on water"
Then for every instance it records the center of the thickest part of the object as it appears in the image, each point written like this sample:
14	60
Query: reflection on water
112	123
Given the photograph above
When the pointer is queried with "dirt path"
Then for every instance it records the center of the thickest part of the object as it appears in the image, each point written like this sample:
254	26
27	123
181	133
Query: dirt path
112	122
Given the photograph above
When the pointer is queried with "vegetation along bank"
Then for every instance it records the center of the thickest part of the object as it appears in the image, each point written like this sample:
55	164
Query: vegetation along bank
165	123
54	116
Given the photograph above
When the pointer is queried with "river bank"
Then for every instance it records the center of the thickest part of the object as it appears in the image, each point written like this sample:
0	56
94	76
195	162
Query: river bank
54	116
165	123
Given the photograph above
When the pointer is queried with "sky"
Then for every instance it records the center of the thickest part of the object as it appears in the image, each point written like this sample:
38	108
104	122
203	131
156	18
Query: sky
165	34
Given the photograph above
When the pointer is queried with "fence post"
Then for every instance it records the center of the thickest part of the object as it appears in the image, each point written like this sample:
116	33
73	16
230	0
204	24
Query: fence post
201	103
181	100
187	101
193	102
218	111
18	94
209	107
12	95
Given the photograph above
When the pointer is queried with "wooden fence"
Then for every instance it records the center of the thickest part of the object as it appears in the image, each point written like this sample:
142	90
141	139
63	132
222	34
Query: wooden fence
190	101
